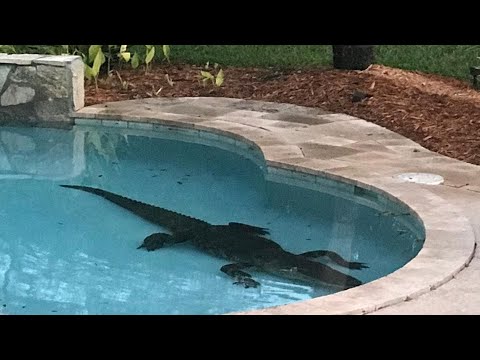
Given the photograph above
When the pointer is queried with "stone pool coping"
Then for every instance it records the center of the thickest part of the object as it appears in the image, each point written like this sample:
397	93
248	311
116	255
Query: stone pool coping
298	141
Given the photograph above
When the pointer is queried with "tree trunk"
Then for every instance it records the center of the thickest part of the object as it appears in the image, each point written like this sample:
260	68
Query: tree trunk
352	57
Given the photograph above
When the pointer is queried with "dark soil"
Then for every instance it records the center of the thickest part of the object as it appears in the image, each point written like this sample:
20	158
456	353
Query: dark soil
442	114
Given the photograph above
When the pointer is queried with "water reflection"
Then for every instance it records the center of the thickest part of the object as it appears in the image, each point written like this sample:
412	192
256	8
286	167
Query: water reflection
27	153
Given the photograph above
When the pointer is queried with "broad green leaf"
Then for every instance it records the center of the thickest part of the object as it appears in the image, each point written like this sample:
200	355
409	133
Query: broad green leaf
207	75
150	55
123	48
148	47
125	56
135	61
166	52
93	51
88	72
219	78
97	63
215	66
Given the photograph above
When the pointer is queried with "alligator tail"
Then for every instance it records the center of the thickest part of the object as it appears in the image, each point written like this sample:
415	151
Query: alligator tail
156	215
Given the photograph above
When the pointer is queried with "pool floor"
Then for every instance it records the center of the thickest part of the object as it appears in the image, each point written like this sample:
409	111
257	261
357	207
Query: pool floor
78	253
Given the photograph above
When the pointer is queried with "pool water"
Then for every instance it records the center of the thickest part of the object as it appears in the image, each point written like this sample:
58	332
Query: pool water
63	251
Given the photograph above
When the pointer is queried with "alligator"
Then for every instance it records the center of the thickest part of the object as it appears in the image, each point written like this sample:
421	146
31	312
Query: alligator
245	246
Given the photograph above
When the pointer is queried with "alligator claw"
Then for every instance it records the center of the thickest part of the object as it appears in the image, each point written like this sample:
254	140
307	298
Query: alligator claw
357	265
247	282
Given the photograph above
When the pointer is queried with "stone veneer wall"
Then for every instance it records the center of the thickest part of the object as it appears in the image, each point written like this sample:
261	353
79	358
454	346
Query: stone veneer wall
37	89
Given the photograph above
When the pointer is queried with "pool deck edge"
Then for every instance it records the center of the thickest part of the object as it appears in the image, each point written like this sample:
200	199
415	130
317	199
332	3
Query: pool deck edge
339	147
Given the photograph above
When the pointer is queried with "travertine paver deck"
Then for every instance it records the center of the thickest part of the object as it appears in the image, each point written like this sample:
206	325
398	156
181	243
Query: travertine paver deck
339	146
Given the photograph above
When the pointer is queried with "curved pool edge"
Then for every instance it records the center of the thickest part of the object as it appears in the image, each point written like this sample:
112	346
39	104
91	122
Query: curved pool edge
309	141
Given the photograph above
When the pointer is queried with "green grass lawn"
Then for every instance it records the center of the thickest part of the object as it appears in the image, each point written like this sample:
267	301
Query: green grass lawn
449	60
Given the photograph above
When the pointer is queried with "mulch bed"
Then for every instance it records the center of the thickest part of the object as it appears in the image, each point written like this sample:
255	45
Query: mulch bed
442	114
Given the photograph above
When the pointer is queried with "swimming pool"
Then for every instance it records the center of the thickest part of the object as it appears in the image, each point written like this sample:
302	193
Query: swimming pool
67	252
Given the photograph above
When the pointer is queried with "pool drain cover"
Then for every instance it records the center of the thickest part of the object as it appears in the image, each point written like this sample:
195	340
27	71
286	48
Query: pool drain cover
421	178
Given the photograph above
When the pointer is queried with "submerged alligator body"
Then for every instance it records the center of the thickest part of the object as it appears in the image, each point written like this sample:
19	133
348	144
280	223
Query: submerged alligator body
244	245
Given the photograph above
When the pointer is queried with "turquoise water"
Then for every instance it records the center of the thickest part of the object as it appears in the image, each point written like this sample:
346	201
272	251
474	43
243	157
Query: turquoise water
64	251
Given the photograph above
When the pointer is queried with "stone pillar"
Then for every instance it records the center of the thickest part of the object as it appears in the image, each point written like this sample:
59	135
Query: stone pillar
40	89
352	57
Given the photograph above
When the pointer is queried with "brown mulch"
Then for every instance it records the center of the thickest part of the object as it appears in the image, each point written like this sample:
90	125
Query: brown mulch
442	114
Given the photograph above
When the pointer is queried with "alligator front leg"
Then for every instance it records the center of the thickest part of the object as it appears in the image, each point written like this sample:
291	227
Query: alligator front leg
335	258
241	277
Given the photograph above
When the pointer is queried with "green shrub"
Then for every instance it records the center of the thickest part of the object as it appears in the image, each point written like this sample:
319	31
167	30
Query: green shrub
35	49
95	56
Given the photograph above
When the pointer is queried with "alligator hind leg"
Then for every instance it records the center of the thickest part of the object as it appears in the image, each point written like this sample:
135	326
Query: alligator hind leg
335	258
241	277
